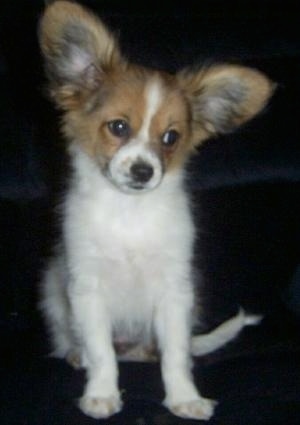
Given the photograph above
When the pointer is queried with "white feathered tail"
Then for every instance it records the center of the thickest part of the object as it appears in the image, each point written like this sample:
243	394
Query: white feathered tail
227	331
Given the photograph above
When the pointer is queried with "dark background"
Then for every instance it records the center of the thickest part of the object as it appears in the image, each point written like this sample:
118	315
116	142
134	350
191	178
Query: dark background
245	191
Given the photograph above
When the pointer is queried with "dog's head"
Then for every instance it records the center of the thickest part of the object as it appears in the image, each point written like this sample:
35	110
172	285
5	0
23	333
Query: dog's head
136	123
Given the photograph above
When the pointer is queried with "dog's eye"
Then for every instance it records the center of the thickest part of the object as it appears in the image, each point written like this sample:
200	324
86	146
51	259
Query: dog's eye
119	128
170	137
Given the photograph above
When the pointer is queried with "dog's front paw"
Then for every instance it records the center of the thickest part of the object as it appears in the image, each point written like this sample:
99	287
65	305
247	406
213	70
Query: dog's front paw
100	407
201	409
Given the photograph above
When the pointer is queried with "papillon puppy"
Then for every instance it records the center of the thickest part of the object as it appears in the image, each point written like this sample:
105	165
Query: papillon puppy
122	277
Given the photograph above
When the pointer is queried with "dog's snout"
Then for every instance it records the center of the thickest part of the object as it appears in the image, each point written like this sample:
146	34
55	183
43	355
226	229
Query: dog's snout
141	172
135	169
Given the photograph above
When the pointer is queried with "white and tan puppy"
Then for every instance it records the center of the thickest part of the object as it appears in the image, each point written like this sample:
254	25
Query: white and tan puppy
122	273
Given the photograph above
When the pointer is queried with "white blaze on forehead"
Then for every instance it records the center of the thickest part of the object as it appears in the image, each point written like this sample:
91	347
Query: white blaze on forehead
153	95
138	148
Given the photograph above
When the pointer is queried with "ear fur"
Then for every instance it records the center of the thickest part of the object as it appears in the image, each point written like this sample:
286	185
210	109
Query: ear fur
78	50
223	97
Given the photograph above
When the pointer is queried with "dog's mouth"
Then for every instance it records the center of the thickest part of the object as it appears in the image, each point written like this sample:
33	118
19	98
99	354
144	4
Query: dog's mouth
129	186
135	188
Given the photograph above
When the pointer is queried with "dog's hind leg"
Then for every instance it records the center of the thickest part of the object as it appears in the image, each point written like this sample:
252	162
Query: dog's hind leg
56	310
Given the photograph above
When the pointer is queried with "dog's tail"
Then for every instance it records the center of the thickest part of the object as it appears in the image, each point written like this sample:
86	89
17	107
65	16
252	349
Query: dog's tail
227	331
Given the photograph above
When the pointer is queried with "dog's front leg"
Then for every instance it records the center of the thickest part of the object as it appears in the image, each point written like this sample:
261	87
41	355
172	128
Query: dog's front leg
101	396
173	324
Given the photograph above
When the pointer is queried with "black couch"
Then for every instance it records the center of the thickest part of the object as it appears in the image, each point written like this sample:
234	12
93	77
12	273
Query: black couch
245	184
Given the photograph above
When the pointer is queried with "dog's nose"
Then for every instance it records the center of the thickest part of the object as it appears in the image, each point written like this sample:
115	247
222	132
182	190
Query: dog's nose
141	172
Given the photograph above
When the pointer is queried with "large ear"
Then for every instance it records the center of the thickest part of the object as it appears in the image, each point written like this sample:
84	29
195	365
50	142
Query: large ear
223	97
78	50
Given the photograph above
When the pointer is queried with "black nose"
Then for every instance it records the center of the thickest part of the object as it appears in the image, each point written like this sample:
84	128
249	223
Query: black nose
141	172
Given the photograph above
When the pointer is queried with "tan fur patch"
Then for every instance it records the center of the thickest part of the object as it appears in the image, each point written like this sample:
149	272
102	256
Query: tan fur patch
94	85
173	114
125	99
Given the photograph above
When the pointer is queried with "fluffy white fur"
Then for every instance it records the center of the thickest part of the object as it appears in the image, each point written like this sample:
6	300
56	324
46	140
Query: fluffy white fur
127	274
128	277
122	272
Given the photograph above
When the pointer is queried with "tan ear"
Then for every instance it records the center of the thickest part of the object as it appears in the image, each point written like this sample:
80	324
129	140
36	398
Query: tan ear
77	48
223	97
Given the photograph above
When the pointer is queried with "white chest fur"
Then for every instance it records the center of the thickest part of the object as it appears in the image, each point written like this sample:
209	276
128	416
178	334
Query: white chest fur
128	248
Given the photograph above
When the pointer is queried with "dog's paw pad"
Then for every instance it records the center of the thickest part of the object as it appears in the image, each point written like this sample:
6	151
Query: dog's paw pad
98	407
74	359
201	409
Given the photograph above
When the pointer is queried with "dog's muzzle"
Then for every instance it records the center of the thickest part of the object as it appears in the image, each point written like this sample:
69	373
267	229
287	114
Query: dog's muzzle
135	175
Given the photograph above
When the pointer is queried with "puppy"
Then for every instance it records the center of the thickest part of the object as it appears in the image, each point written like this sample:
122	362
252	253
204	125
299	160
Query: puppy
122	273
